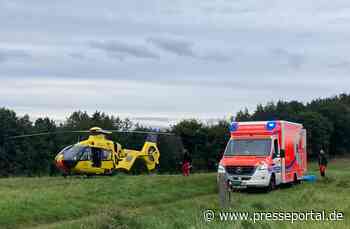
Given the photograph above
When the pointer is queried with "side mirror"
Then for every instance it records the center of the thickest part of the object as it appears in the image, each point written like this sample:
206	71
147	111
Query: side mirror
274	155
282	153
275	149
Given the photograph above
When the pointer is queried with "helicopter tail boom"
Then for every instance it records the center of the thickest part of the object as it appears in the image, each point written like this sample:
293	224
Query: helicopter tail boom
149	154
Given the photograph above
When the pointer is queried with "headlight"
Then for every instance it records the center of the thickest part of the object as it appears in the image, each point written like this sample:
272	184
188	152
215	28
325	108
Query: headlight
262	166
221	169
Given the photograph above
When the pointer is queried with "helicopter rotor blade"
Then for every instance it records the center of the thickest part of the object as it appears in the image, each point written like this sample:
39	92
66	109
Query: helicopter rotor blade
88	131
46	133
140	132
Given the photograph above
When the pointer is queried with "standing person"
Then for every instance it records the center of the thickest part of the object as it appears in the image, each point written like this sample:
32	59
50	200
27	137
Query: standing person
322	162
186	163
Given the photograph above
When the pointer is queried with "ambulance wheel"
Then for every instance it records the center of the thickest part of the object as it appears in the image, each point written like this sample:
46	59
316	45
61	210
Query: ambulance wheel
272	183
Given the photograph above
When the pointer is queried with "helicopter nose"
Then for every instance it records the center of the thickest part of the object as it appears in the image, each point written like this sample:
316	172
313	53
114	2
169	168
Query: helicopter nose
64	164
69	164
60	164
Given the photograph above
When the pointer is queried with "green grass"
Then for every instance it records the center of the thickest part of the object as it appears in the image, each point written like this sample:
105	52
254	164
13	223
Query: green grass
161	201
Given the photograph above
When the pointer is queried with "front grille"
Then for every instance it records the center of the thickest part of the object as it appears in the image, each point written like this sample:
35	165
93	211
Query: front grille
246	178
240	170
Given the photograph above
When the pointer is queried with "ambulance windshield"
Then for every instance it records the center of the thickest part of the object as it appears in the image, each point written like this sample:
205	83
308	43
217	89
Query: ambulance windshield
248	147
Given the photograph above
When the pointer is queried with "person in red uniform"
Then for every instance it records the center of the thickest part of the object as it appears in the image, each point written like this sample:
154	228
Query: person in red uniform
186	164
322	162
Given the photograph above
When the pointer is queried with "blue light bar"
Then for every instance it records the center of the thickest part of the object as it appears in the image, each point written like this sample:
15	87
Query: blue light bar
270	125
233	126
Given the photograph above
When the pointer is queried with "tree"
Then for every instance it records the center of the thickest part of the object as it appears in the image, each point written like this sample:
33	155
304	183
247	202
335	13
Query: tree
243	116
218	136
205	143
8	127
319	131
8	124
327	122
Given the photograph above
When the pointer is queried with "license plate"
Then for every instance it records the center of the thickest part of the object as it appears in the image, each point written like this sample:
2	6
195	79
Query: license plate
236	183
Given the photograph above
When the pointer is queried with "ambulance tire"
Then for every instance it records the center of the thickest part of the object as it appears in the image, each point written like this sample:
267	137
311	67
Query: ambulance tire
272	183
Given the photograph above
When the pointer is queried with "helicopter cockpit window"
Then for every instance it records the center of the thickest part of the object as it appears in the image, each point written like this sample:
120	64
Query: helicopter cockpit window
73	153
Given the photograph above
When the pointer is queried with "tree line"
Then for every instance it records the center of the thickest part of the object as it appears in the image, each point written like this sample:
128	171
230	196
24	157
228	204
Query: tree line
326	120
34	156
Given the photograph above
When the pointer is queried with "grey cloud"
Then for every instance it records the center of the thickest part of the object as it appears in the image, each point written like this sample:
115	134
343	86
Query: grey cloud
175	46
173	11
216	56
226	10
216	46
279	85
9	54
77	55
150	118
294	60
185	48
342	64
120	50
233	7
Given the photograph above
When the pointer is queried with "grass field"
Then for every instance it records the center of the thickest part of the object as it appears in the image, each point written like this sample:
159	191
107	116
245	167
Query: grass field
161	201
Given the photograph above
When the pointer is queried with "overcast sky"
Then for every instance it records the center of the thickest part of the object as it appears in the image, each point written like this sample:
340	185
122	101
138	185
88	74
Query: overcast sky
170	59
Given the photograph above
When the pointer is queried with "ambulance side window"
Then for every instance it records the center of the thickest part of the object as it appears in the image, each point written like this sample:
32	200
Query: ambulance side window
297	151
276	149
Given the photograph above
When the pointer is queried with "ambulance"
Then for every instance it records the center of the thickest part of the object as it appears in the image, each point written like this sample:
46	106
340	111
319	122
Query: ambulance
264	154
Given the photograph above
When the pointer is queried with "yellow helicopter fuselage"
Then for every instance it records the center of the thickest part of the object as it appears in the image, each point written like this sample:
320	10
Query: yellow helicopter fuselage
100	156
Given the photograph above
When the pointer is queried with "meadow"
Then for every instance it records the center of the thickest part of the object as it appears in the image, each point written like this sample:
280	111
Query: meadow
162	201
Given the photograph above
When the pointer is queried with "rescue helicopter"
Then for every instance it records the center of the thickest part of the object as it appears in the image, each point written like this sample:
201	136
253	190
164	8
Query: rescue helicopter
97	155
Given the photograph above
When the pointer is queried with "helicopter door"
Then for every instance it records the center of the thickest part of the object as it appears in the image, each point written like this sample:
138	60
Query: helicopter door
96	156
